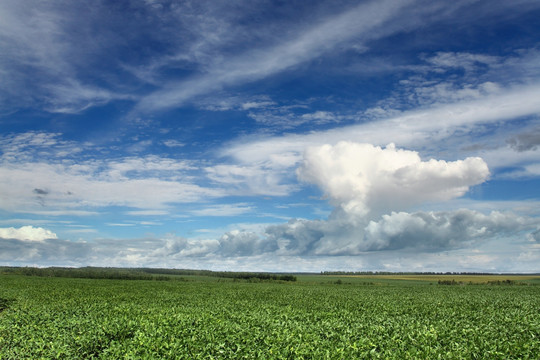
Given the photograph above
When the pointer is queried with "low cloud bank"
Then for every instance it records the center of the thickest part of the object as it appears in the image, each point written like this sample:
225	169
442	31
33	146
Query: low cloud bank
370	188
396	233
423	231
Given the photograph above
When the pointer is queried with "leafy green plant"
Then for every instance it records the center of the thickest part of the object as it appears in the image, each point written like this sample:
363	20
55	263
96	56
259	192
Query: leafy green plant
75	318
4	303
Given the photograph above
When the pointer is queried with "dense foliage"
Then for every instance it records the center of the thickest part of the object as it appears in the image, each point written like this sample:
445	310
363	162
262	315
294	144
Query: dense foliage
68	318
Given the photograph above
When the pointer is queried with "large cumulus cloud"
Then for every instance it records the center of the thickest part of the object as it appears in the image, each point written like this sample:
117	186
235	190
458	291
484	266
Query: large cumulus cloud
363	180
371	187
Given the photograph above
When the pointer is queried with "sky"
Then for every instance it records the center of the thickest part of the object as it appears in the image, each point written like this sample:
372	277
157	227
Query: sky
287	136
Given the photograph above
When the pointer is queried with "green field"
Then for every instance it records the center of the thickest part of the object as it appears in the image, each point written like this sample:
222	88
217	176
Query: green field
460	279
316	317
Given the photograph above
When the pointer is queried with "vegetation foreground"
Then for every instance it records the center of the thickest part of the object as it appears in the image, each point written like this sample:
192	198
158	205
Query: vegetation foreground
316	317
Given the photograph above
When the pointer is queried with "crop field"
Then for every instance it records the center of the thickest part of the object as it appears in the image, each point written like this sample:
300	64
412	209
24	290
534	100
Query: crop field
463	279
316	317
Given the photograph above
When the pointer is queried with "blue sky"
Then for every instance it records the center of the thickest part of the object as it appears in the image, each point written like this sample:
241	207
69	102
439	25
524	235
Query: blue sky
271	136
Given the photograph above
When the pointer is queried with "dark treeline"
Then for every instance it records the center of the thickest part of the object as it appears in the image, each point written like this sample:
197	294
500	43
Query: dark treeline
221	274
84	272
139	273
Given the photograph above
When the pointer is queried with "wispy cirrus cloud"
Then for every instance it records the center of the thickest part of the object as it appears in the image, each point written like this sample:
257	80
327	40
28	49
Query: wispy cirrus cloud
433	128
44	59
72	97
41	175
204	48
525	141
224	210
69	188
265	178
411	128
253	65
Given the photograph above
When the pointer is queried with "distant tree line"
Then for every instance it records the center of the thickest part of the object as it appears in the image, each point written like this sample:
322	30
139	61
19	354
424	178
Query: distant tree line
222	274
84	272
139	273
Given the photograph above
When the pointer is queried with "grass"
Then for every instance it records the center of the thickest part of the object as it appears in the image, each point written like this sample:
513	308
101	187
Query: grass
312	318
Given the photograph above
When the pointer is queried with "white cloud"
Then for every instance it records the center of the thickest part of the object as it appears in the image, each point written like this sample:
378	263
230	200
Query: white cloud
81	231
434	231
523	163
429	128
42	174
73	97
30	145
148	166
448	92
353	28
145	183
421	241
525	141
362	179
224	210
529	258
282	117
43	56
444	60
320	117
256	179
420	231
63	212
366	184
527	171
173	143
244	243
256	104
266	161
175	247
259	63
29	233
31	221
147	213
437	82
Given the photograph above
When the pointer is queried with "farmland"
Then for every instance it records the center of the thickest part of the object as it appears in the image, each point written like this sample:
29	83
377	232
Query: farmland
315	317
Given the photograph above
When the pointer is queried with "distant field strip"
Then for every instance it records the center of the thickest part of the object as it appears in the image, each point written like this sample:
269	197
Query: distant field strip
475	279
